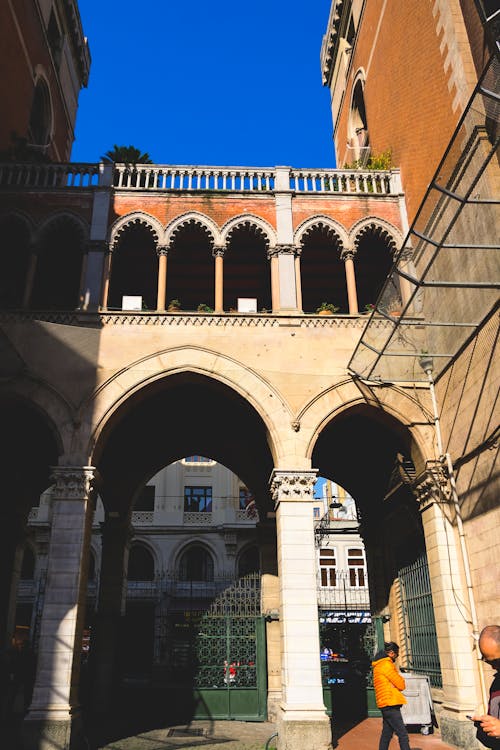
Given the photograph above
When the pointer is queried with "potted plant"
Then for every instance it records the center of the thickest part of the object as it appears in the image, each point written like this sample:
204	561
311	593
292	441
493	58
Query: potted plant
369	308
327	308
174	305
203	308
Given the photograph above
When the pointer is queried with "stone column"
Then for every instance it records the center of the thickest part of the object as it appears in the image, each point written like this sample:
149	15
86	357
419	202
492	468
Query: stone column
53	721
105	279
218	253
347	256
303	722
106	639
298	278
30	276
162	253
461	691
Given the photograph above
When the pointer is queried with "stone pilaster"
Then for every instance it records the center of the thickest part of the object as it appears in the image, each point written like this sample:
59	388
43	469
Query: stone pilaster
302	721
461	693
53	720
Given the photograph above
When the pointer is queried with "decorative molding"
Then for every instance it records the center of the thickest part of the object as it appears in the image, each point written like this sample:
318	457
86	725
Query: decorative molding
292	486
72	482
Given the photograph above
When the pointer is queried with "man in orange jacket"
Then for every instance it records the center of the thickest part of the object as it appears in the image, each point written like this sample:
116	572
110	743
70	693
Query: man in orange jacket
388	685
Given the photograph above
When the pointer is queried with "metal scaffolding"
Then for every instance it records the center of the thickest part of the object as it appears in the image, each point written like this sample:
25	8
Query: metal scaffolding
445	280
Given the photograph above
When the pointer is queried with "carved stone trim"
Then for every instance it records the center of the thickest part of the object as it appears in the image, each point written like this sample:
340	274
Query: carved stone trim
292	486
72	482
432	486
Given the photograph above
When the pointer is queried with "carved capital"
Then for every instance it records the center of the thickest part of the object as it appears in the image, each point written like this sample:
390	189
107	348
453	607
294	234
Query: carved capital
406	254
292	486
283	249
218	251
161	250
72	482
347	253
432	486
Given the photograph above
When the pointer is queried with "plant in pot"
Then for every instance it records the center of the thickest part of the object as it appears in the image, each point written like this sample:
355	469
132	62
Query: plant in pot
327	308
203	308
174	305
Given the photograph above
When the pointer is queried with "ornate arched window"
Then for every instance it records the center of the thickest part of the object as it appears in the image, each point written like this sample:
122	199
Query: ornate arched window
134	266
40	124
141	564
196	564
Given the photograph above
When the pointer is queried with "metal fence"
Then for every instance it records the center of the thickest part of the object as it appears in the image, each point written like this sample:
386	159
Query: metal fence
418	621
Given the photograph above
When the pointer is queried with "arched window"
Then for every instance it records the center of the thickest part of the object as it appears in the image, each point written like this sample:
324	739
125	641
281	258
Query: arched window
28	566
14	260
247	271
141	565
191	267
373	262
40	124
196	564
322	271
359	140
248	562
134	268
59	266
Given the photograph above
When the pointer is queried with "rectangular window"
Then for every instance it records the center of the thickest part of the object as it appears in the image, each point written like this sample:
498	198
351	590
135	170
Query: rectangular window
198	499
245	498
357	567
328	567
317	512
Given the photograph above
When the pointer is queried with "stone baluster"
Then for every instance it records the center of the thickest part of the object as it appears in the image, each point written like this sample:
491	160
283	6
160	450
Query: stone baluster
54	712
218	253
303	721
162	253
347	256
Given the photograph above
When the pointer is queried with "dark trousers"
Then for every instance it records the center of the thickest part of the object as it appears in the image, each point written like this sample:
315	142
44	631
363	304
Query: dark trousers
393	724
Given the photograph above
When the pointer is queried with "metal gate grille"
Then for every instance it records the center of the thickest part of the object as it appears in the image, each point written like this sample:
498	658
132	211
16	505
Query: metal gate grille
418	621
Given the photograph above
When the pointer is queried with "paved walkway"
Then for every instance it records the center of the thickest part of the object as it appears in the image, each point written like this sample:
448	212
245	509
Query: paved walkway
240	735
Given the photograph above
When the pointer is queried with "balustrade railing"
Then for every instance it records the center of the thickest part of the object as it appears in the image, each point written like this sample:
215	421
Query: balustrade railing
48	176
176	178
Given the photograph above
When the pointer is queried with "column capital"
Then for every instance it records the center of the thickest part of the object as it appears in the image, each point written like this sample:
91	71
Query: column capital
72	482
347	253
292	486
406	253
162	250
432	486
283	249
218	251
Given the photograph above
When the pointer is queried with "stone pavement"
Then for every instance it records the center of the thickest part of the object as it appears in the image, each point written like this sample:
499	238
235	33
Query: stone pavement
241	735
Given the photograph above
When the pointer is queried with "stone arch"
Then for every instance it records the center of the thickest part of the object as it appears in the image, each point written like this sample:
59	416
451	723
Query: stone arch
136	218
139	541
59	218
380	227
21	216
192	544
395	401
268	403
192	218
249	221
322	222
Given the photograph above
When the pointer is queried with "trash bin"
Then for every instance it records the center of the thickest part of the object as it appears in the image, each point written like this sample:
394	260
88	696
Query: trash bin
417	711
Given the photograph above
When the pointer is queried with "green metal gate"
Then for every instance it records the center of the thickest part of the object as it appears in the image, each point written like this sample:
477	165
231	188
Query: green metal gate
418	621
229	656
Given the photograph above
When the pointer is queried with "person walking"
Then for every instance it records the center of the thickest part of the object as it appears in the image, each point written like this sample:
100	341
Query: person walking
488	725
389	684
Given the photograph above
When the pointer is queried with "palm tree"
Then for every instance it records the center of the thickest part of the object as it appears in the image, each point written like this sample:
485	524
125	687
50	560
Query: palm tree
126	155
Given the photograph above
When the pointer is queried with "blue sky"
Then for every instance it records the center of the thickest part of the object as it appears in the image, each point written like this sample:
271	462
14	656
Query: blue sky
194	82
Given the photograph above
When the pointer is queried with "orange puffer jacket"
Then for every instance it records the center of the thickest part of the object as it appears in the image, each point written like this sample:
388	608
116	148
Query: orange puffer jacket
387	682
